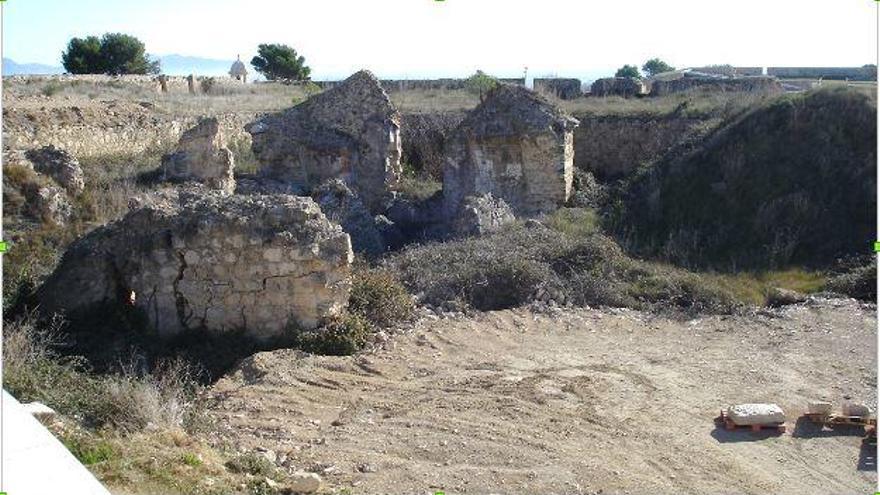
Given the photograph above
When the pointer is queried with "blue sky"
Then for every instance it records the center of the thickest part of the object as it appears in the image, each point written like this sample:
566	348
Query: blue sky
425	38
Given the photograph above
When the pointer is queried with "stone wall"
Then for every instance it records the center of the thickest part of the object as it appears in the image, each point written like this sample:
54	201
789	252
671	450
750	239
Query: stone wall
865	73
612	147
204	260
748	71
618	86
104	128
565	89
745	84
394	85
202	156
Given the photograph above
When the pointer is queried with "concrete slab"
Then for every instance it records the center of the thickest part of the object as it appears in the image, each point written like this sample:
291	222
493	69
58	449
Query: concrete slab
34	462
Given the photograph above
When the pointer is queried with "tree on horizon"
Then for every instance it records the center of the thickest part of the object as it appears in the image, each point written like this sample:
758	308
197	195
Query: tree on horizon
628	71
656	66
280	62
113	54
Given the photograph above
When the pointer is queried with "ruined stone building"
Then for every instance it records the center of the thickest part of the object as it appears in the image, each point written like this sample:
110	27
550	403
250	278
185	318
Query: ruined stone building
516	146
350	132
238	71
199	259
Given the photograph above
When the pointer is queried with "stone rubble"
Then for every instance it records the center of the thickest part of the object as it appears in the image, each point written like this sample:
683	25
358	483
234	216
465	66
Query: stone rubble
481	215
60	166
49	204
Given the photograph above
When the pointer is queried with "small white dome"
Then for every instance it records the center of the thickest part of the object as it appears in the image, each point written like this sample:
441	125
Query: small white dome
238	68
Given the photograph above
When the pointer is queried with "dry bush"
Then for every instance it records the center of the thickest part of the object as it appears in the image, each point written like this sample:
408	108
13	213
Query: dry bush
340	336
379	297
129	401
524	263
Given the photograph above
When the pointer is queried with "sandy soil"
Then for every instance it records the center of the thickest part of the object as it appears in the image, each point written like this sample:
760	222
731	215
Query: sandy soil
577	401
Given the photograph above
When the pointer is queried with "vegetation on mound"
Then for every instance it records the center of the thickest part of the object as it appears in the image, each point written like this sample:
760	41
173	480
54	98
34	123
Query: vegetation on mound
528	262
790	183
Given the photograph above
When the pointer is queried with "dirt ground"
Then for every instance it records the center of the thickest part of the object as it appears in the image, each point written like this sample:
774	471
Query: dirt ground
573	401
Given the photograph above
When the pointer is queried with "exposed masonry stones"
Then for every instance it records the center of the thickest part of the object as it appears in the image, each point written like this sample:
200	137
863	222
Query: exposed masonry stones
350	132
515	145
199	259
59	165
343	206
202	156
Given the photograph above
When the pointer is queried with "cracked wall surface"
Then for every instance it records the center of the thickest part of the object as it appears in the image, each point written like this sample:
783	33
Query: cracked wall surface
202	260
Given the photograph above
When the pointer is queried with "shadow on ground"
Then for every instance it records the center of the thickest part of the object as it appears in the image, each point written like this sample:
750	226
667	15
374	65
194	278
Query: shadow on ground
868	457
804	428
723	435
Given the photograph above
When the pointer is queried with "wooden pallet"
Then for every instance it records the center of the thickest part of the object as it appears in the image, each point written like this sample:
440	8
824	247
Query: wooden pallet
730	425
831	420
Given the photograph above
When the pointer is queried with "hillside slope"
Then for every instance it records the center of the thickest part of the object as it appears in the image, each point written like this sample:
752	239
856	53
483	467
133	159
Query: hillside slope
791	182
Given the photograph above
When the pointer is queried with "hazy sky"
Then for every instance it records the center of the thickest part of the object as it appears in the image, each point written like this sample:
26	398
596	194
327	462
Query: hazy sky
428	38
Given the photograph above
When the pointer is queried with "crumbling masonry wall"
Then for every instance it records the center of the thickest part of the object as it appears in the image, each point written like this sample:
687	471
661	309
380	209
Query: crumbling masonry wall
516	146
350	132
204	260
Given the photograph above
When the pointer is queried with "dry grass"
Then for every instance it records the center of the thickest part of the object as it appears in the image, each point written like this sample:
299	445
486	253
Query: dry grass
435	100
753	287
250	98
170	462
692	103
129	401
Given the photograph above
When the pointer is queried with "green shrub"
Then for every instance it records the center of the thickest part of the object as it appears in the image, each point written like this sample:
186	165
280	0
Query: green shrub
52	88
497	271
340	336
207	85
418	188
480	84
190	459
88	450
379	297
253	464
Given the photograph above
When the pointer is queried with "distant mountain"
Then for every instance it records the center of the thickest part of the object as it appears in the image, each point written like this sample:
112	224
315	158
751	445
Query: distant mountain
11	68
182	65
173	65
